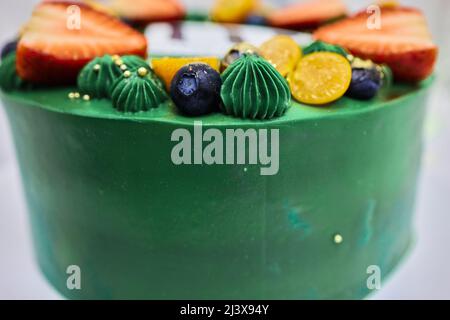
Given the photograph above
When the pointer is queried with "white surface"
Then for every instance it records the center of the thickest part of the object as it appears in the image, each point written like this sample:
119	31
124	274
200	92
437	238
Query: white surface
425	274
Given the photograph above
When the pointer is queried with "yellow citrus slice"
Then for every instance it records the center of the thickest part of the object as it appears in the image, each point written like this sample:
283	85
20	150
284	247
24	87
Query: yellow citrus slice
232	11
166	68
320	78
282	52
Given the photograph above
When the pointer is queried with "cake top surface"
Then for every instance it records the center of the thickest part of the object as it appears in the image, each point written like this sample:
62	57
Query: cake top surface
217	71
56	100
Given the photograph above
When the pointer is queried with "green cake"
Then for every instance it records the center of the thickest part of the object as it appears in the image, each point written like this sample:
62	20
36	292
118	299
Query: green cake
146	200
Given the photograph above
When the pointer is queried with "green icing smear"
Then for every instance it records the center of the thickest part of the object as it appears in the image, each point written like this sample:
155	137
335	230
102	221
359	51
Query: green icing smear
9	79
253	89
319	46
136	93
98	76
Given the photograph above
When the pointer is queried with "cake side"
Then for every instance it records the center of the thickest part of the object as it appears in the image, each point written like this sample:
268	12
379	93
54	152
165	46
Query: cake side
107	195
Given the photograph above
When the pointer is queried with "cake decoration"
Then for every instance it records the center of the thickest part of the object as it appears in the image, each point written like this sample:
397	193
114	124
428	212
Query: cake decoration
8	48
320	46
97	77
256	20
195	89
237	51
307	15
409	52
283	52
141	12
338	239
320	78
367	79
167	67
254	89
233	11
137	91
74	95
9	80
100	6
317	75
365	84
131	62
51	53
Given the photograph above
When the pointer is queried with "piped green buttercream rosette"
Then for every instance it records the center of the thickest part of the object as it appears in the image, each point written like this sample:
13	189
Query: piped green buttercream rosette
137	91
98	76
9	79
253	89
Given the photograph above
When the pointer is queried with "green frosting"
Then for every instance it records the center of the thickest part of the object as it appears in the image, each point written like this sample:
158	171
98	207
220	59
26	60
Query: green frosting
319	46
253	89
9	79
134	92
135	62
98	76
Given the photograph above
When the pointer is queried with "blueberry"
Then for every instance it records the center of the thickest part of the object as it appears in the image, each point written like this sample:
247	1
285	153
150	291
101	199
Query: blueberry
8	48
256	20
365	83
195	89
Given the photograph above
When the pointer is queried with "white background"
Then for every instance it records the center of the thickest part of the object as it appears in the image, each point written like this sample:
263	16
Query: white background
424	275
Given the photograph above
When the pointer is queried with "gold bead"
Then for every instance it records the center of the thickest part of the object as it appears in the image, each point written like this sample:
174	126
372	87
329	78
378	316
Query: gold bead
142	72
71	96
118	62
115	57
123	67
86	97
97	67
127	74
338	239
77	95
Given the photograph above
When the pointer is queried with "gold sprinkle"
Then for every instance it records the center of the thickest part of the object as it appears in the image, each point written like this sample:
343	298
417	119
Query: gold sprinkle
362	64
127	74
142	72
115	57
76	95
97	67
71	96
86	97
123	67
338	239
380	70
118	62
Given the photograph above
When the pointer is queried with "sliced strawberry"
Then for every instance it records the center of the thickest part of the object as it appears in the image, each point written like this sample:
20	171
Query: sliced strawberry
403	41
52	50
307	15
146	11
